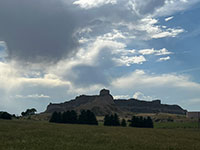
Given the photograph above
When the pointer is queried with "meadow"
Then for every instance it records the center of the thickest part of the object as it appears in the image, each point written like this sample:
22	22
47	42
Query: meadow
39	135
175	125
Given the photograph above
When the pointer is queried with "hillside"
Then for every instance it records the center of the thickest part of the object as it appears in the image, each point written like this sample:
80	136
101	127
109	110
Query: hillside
105	104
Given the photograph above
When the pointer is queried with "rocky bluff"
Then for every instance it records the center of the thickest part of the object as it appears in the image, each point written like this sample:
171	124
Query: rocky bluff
105	104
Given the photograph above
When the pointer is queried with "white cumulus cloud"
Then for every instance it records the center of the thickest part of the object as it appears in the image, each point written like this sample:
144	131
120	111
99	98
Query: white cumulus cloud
164	58
142	96
34	96
169	18
129	60
162	51
87	4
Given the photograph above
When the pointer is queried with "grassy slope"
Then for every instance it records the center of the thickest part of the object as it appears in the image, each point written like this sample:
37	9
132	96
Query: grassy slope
29	135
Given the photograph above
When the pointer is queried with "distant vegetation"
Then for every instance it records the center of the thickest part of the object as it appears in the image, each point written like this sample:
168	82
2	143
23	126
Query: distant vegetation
111	120
88	117
5	115
29	112
141	122
123	123
71	117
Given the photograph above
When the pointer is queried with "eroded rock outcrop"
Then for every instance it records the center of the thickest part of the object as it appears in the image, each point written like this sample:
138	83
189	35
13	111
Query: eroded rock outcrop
105	104
155	106
100	104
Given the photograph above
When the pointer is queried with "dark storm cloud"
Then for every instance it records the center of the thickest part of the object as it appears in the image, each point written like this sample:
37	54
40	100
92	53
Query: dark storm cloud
88	75
38	30
43	30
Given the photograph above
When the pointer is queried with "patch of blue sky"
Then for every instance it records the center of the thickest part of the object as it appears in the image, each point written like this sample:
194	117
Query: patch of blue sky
3	52
185	46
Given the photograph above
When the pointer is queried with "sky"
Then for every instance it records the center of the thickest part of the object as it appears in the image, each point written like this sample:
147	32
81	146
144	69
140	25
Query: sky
54	50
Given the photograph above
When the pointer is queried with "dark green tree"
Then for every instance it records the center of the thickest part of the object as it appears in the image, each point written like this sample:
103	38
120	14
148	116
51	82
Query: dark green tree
133	122
111	120
107	121
91	118
56	117
5	115
87	117
29	112
59	119
66	117
150	122
141	122
53	117
82	117
73	117
116	121
123	123
23	113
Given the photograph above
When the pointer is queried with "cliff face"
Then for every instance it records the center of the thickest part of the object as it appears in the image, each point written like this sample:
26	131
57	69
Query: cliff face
138	106
100	104
105	104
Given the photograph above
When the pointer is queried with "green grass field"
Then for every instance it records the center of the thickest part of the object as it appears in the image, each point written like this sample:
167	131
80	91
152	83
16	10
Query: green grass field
38	135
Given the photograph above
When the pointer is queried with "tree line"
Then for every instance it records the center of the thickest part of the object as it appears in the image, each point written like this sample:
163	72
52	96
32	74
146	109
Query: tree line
113	120
88	117
8	116
71	117
141	122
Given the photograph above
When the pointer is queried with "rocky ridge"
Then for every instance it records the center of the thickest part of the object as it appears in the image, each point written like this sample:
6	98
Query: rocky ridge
105	104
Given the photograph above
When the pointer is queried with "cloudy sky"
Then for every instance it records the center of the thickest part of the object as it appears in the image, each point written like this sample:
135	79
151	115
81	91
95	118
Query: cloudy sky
54	50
